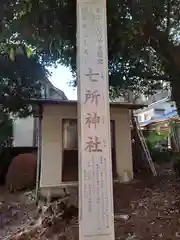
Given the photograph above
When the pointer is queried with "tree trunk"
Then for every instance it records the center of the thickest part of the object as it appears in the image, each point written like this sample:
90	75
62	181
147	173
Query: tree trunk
175	84
170	57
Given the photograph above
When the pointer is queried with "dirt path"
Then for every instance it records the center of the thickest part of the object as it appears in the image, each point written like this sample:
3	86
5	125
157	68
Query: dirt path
16	212
152	207
146	210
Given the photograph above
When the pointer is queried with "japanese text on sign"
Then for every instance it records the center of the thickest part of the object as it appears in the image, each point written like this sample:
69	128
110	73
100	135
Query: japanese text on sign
93	145
91	75
92	119
92	96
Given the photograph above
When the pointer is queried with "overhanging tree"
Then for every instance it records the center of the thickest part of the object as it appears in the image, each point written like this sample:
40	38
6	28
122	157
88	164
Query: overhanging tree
19	81
143	37
21	74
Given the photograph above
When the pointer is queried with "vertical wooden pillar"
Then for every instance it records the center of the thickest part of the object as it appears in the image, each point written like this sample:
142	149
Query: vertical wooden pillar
39	151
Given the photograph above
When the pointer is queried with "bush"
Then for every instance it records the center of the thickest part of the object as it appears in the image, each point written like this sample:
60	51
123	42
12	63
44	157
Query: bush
6	156
160	157
154	137
22	172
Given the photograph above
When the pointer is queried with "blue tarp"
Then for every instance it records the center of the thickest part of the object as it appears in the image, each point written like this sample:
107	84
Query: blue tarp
165	116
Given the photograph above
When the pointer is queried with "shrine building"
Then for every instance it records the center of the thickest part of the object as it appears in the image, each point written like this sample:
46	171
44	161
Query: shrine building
58	142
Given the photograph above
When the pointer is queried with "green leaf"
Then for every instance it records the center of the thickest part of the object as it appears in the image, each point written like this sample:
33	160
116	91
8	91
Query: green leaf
12	54
29	7
28	52
50	46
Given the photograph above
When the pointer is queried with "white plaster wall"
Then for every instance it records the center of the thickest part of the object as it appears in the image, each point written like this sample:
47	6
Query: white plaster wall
149	112
23	132
51	171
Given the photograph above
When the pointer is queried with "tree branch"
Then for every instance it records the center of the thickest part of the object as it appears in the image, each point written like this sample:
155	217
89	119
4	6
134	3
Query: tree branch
153	77
157	78
159	42
168	17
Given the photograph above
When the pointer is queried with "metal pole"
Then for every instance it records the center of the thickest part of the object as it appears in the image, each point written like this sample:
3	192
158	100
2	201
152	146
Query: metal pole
39	146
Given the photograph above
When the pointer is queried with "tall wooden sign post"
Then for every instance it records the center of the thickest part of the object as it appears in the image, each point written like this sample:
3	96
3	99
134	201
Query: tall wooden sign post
96	214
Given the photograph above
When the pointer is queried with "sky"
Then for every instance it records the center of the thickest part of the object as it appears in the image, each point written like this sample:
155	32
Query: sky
61	76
